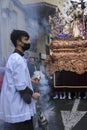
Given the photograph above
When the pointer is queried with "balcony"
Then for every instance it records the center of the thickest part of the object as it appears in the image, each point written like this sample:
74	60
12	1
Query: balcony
52	2
37	9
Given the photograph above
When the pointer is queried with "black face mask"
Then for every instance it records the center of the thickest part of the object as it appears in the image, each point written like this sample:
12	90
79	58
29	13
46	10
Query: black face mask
26	46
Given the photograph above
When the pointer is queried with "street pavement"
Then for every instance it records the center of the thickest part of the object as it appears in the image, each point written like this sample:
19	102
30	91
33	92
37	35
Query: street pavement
67	115
63	114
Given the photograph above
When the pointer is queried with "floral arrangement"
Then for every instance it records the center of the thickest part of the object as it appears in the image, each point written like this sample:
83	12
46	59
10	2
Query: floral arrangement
67	26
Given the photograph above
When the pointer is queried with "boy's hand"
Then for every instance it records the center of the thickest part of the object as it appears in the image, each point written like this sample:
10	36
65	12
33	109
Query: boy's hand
36	95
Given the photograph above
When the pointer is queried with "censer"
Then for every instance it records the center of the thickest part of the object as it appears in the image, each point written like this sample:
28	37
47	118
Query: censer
42	121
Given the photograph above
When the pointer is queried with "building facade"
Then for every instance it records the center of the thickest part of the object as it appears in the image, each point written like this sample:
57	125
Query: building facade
32	16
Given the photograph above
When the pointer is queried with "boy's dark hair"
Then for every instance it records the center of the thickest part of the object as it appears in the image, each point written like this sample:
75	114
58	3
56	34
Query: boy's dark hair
17	35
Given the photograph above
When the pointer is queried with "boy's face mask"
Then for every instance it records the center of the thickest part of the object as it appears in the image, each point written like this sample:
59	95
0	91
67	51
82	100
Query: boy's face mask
25	43
26	46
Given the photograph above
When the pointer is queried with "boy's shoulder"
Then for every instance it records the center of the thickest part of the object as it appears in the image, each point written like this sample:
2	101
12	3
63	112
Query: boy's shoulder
15	58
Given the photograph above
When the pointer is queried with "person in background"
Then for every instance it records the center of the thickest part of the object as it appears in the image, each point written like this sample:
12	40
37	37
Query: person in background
31	66
17	102
37	63
51	84
2	71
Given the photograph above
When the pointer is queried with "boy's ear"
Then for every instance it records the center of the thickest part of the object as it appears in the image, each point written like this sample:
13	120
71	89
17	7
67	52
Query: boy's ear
18	42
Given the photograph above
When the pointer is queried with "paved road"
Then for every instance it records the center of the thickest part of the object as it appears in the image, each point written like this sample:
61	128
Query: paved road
64	115
67	115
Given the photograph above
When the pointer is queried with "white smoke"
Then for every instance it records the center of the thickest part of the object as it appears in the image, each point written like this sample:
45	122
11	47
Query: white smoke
32	27
45	105
44	90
